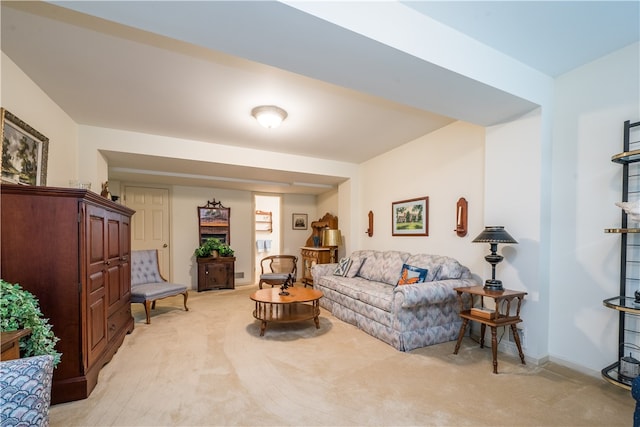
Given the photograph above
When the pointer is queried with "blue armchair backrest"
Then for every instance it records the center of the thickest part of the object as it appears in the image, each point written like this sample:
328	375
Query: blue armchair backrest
144	267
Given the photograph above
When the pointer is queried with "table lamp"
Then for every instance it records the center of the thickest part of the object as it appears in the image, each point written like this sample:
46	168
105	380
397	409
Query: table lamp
494	235
332	238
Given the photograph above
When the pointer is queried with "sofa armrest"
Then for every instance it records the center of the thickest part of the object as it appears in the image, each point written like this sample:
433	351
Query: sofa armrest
426	293
319	270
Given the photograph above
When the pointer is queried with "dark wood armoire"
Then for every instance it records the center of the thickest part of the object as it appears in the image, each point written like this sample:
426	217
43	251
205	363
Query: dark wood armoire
71	249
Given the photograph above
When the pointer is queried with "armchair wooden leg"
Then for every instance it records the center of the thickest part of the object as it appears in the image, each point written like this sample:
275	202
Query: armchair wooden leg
147	309
186	295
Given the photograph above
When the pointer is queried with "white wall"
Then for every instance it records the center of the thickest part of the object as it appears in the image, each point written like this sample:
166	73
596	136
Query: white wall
515	199
293	240
184	230
22	97
592	102
444	165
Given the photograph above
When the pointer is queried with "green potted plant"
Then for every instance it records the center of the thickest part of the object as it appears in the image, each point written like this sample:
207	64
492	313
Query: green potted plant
19	309
213	247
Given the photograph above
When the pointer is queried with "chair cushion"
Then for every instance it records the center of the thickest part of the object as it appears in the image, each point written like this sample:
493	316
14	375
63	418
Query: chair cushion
274	276
153	291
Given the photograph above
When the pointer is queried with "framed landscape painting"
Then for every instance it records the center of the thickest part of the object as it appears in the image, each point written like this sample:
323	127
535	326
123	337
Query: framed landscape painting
410	217
24	152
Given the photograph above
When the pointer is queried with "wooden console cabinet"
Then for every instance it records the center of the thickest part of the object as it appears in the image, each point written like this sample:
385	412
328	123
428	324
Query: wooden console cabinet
71	249
310	257
312	253
216	273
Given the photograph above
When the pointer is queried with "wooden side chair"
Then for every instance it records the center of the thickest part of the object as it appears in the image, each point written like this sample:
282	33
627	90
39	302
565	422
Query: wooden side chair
275	269
148	285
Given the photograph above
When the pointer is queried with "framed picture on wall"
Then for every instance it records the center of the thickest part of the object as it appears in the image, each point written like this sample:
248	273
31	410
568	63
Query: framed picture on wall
24	152
299	221
410	217
214	221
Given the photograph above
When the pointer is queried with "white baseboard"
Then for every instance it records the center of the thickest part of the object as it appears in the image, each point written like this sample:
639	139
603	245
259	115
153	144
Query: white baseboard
507	347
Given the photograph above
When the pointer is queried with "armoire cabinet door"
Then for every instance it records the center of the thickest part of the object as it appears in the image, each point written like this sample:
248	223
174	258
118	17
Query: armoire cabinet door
96	284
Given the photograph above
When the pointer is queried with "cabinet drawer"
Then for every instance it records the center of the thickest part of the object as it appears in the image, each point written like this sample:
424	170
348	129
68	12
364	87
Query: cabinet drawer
309	254
118	320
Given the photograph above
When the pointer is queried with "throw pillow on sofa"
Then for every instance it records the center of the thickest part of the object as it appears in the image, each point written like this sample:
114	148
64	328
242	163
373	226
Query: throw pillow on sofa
356	263
343	267
411	274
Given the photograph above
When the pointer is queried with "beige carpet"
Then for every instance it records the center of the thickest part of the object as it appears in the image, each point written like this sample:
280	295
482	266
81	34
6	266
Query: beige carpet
209	366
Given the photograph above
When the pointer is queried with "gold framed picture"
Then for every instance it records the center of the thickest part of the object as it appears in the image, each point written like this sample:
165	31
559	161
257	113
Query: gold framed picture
24	152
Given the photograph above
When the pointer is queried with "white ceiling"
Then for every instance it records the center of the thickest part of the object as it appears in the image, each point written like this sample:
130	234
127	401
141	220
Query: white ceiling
194	71
549	35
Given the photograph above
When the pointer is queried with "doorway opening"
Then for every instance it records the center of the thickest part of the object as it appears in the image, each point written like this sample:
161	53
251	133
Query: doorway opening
268	240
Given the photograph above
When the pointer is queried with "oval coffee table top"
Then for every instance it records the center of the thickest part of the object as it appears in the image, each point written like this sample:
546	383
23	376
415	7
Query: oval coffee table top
296	294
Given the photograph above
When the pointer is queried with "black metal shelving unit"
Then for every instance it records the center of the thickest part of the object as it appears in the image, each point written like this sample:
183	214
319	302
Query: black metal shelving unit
628	308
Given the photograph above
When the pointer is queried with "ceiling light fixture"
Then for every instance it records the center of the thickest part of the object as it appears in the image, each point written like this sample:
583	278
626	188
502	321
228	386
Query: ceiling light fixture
269	116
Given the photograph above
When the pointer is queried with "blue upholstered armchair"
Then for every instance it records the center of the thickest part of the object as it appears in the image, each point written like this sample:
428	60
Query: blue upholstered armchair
25	391
148	285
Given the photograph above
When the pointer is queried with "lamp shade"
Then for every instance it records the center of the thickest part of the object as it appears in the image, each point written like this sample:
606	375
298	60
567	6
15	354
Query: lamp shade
269	116
331	238
494	234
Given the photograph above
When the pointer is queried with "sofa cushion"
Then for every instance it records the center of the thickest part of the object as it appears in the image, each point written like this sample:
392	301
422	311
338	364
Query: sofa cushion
356	264
440	267
411	274
428	262
344	286
343	267
376	294
383	266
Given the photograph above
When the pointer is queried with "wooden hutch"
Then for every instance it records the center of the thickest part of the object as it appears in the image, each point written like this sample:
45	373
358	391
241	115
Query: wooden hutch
313	253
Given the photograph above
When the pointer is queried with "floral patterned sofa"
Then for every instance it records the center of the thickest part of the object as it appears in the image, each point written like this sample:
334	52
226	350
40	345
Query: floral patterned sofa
406	300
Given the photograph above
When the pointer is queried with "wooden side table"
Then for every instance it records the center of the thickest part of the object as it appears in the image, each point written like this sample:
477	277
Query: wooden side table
11	343
504	300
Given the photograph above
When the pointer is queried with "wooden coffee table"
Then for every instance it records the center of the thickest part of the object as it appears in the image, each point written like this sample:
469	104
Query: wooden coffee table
301	304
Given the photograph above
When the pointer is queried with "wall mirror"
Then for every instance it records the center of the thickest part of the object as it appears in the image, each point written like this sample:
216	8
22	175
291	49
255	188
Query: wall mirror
214	221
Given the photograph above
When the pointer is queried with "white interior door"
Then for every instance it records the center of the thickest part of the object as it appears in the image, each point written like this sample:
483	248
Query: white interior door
150	223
